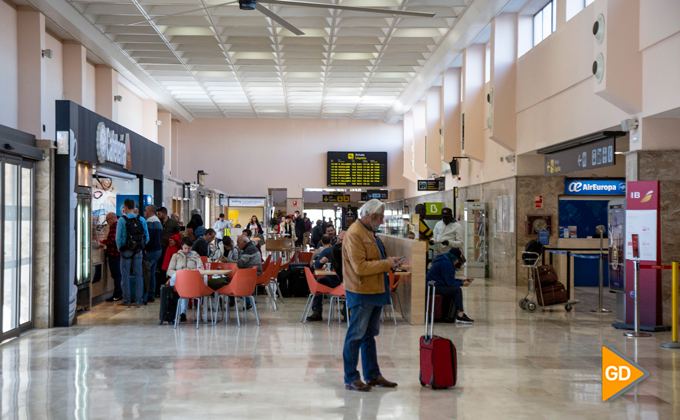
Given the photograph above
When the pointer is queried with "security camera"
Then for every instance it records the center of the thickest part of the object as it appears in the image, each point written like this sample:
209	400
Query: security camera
159	122
118	98
510	158
629	125
47	53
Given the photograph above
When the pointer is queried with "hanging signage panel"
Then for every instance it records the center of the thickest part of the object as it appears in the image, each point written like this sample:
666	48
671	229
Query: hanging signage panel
335	198
597	154
595	187
246	202
431	184
356	169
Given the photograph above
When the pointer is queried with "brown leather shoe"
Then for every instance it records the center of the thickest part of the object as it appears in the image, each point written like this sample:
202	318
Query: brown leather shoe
358	386
382	382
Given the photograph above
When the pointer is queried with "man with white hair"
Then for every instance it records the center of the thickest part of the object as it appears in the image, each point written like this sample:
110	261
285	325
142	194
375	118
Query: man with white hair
250	256
365	274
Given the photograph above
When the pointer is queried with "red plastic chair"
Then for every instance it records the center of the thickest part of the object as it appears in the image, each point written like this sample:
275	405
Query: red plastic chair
265	281
204	260
190	285
242	285
337	294
286	265
315	289
227	266
306	257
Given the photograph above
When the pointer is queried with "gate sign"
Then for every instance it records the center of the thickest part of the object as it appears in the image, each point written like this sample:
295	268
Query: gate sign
597	154
595	187
433	209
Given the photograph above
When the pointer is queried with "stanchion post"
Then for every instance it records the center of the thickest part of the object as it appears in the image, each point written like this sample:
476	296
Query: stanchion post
676	279
600	309
636	319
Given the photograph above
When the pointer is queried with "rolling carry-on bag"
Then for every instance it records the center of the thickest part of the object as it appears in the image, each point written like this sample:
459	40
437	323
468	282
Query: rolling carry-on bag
169	300
438	364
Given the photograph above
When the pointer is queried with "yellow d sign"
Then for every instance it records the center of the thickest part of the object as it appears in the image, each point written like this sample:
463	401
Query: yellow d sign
619	374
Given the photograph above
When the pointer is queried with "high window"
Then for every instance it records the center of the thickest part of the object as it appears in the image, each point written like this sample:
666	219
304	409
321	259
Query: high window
545	22
575	6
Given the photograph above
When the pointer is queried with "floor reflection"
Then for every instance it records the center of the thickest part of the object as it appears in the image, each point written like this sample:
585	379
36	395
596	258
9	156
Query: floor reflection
119	364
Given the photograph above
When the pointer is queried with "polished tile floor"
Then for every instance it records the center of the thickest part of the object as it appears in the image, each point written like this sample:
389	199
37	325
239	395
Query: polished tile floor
512	365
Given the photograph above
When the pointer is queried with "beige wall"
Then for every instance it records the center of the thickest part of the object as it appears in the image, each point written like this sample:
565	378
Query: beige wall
130	110
8	65
90	87
249	156
55	85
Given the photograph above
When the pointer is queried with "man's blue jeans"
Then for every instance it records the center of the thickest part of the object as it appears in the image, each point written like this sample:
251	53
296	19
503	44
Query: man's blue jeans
114	266
153	257
136	263
364	326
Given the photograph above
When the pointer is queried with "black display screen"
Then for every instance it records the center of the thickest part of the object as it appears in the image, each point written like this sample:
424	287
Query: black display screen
357	169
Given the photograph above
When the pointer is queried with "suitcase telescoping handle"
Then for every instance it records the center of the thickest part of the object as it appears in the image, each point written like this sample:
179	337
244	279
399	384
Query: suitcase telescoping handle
429	310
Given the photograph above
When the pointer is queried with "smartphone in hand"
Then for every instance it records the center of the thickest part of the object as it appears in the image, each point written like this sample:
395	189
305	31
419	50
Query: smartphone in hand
401	260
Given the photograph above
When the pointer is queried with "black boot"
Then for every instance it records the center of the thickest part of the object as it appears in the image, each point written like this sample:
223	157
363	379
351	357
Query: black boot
315	316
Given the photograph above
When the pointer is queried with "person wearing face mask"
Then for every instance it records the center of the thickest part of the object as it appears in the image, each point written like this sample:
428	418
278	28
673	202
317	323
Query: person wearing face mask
185	259
443	273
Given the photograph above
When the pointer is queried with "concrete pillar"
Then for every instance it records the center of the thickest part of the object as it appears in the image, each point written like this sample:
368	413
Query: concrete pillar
408	171
150	119
32	75
106	87
43	282
451	113
165	137
434	124
419	138
473	102
503	81
75	68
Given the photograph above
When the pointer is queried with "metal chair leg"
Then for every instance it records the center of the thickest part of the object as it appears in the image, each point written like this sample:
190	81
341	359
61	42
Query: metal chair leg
245	311
401	308
257	317
339	310
393	316
177	312
272	294
238	319
271	300
198	304
304	311
330	311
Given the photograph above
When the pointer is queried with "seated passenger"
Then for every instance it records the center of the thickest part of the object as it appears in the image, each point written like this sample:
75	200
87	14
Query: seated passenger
202	243
249	234
330	231
442	273
185	259
228	250
250	256
325	243
331	281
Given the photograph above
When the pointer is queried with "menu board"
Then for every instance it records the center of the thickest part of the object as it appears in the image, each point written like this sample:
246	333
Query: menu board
357	169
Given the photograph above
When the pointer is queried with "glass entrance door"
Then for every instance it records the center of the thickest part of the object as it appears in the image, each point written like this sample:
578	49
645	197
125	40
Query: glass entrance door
16	230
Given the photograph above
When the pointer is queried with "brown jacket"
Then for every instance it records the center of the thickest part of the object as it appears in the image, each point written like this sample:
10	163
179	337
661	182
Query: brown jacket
362	264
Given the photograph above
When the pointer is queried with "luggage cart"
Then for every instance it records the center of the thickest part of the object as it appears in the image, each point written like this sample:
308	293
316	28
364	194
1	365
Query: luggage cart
529	304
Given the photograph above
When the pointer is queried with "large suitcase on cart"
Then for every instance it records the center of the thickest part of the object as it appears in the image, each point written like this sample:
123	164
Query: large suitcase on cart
438	364
552	295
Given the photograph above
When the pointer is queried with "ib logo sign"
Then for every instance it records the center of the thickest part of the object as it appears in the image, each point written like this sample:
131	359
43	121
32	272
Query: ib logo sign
646	198
619	374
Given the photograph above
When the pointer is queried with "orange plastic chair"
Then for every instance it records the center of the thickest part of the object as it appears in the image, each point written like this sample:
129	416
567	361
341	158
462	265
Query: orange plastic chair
266	262
337	294
190	285
227	266
315	289
204	260
286	265
306	257
265	280
242	285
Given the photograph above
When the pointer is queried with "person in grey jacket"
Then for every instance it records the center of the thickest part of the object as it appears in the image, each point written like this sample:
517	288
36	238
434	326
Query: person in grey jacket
250	256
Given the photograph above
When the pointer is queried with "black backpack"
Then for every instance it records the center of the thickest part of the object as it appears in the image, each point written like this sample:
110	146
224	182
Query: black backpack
135	241
532	246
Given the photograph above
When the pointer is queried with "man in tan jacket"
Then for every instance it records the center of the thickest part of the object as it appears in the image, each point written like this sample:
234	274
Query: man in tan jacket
365	266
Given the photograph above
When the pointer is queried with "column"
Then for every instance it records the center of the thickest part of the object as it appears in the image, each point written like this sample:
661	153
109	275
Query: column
473	102
106	81
32	74
434	124
165	137
75	67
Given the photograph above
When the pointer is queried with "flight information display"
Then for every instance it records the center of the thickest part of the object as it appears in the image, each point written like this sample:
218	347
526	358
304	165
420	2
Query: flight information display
357	169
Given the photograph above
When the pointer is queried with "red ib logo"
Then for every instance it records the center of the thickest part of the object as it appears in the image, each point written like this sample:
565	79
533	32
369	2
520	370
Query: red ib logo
619	374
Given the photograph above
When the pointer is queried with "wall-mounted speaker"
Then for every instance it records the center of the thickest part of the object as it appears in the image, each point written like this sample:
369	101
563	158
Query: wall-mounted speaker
598	68
598	29
489	97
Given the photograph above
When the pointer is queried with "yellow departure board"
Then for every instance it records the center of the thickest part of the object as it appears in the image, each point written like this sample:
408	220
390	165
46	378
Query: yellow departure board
357	169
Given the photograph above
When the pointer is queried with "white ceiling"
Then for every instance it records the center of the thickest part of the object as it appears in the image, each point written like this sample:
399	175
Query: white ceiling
226	62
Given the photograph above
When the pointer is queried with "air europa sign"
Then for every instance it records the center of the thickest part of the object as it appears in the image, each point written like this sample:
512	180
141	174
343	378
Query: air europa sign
112	147
594	187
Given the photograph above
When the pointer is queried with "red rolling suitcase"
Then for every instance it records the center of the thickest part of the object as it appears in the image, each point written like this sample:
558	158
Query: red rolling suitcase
438	364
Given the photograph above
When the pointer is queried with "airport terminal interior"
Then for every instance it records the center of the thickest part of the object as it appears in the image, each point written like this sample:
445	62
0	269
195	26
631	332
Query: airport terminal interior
340	209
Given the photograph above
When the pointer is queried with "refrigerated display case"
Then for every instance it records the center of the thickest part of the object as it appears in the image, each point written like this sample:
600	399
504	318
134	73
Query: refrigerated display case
83	279
476	240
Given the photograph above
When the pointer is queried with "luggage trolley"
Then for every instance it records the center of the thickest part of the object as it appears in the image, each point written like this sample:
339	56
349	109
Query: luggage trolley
529	304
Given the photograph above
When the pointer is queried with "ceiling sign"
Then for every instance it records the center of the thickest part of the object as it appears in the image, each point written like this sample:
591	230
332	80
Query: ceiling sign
335	198
431	184
597	154
246	202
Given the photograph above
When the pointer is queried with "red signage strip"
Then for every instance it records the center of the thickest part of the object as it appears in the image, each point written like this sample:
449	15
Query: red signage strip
655	267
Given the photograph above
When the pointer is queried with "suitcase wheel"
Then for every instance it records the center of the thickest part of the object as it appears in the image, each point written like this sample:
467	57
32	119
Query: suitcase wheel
568	307
531	306
432	383
420	378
